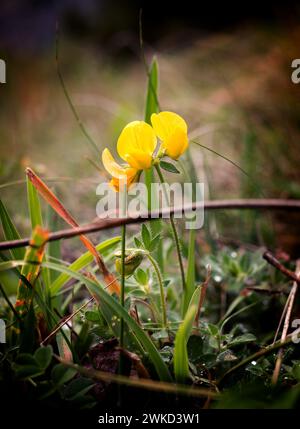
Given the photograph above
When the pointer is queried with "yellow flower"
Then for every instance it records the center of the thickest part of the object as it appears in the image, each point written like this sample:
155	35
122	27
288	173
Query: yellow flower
171	129
127	175
136	145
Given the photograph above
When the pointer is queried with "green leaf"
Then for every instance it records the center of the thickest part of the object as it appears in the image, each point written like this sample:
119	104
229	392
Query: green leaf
78	388
61	374
93	316
146	236
137	242
10	232
141	276
213	330
26	366
154	243
181	361
43	356
28	371
82	262
168	166
245	338
243	309
26	359
190	276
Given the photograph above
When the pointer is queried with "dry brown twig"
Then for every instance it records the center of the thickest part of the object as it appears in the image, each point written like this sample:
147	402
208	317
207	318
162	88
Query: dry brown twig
269	257
288	310
103	224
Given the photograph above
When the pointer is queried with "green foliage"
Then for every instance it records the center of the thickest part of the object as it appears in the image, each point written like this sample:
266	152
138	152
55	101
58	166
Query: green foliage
83	261
181	361
32	366
168	166
10	232
212	350
118	310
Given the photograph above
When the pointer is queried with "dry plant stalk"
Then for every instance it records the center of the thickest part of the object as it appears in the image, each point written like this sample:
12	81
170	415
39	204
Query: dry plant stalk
288	310
54	202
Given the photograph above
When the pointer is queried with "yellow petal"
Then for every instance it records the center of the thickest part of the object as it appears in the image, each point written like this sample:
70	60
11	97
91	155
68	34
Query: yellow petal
139	160
164	124
176	144
132	176
111	166
172	131
136	144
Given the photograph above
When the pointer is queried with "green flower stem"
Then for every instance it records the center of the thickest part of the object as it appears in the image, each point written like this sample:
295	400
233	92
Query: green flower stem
123	204
175	233
122	293
161	289
160	281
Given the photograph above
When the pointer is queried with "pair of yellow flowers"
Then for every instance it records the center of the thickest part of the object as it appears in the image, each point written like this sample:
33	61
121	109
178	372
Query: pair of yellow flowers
137	146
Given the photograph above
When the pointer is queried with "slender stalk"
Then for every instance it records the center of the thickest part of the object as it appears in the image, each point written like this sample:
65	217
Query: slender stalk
175	233
123	203
122	294
161	289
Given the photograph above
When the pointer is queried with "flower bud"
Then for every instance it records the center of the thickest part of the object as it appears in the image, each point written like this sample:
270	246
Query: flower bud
132	260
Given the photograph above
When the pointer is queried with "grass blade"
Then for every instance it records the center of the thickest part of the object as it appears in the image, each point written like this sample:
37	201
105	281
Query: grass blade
10	231
181	361
190	274
54	202
53	248
82	262
35	214
152	106
191	266
34	254
151	98
34	206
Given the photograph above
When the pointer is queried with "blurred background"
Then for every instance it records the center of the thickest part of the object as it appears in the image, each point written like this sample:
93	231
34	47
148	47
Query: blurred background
225	67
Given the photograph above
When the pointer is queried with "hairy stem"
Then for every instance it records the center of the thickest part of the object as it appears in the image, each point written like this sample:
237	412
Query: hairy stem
175	233
161	289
